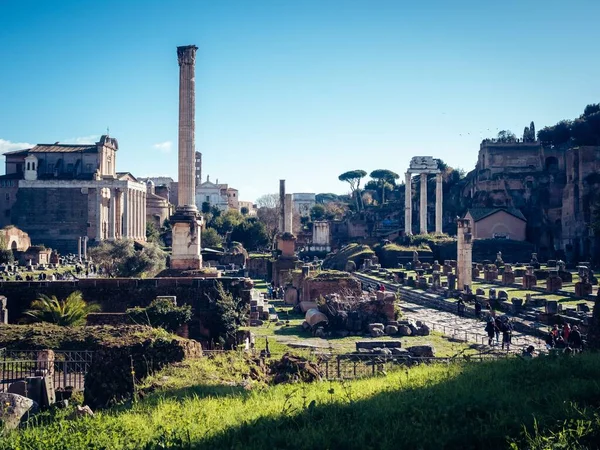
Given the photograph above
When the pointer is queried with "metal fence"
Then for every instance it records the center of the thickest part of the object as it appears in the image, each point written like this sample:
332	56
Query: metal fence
352	366
68	369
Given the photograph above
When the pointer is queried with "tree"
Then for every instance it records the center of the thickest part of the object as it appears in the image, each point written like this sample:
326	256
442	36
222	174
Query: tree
205	207
557	134
152	234
226	222
71	311
251	233
210	238
121	258
353	178
227	315
384	176
506	136
161	313
268	212
244	210
6	254
317	212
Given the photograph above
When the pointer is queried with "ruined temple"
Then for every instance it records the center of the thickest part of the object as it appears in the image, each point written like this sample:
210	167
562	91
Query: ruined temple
553	186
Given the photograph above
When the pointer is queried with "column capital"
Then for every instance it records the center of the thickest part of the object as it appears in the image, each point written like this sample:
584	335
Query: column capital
186	55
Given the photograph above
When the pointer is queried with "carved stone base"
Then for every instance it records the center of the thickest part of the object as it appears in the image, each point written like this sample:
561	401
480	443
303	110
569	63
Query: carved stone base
186	254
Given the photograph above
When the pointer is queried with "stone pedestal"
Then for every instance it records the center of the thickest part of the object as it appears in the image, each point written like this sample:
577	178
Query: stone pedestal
490	274
186	226
529	281
553	282
508	276
583	288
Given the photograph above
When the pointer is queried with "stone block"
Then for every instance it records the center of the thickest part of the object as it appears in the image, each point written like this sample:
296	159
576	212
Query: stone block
14	408
551	307
422	351
391	330
371	344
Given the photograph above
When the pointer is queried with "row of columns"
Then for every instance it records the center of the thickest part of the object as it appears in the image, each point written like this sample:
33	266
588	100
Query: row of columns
423	203
121	213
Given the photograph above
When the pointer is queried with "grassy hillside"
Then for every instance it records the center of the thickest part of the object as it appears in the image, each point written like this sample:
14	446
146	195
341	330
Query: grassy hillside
213	404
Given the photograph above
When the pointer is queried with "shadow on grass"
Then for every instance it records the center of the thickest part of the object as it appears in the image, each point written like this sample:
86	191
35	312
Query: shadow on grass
200	391
484	406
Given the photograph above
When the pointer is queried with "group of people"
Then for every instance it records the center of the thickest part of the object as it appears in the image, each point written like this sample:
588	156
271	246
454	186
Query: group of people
565	337
497	325
274	292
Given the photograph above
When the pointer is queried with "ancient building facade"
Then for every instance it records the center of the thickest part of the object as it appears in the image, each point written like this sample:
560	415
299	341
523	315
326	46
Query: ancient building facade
303	202
64	192
158	208
553	186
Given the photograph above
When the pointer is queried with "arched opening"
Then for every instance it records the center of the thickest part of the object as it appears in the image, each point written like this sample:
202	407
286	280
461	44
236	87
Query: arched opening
552	164
13	245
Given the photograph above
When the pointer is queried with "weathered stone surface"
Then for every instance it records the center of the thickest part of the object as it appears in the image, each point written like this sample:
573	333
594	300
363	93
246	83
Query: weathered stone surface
14	408
371	344
404	330
422	351
390	330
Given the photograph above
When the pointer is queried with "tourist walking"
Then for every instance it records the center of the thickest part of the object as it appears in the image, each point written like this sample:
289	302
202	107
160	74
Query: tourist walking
490	329
506	334
566	331
477	309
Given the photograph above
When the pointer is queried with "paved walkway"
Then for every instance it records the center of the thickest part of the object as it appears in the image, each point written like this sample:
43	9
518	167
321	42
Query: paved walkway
463	328
467	329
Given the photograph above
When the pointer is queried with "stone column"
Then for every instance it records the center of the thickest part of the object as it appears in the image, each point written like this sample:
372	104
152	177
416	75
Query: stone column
186	56
143	216
438	203
408	204
125	207
281	206
133	215
289	214
423	205
137	215
79	248
464	246
112	215
98	214
85	242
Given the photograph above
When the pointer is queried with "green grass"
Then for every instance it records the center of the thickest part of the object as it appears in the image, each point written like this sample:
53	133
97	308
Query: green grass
211	404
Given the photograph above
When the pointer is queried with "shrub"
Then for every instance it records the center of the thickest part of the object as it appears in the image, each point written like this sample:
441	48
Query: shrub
161	313
68	312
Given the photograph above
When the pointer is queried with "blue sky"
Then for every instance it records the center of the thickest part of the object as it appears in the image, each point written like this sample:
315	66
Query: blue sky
300	90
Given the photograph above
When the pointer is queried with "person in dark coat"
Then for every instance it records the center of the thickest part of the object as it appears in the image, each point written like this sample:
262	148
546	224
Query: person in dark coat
575	339
490	328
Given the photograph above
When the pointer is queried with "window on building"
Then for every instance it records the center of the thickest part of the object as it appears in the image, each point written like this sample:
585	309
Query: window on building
32	166
28	165
208	198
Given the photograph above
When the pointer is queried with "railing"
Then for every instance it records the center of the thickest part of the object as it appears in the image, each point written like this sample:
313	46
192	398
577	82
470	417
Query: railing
68	369
351	366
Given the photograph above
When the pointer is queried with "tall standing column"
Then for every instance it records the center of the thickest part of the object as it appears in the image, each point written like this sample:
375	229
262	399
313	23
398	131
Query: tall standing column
408	204
135	214
438	203
423	205
79	249
112	215
98	214
138	209
281	206
186	57
125	207
289	214
143	216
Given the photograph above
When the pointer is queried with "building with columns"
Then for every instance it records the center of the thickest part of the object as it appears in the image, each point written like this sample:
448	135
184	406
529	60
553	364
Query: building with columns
61	192
423	166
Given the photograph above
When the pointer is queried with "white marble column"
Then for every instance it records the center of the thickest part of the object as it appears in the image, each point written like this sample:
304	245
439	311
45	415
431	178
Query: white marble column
289	214
98	214
136	232
438	203
79	248
408	204
112	215
143	216
423	205
125	232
